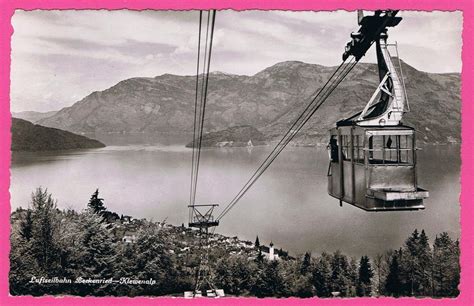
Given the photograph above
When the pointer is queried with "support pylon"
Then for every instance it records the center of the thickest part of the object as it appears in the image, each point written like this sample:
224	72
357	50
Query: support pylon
201	217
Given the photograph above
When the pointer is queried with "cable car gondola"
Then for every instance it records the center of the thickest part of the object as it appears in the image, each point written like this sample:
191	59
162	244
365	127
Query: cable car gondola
372	154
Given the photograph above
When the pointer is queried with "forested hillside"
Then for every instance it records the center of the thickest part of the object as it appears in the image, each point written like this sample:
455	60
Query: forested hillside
27	136
97	252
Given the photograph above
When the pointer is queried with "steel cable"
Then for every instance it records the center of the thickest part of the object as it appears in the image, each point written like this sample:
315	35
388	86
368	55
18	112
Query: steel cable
301	120
200	100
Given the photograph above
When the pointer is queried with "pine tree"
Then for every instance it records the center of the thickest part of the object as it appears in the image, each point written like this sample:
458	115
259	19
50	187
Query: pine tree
259	258
301	286
340	278
352	275
23	263
125	267
381	272
26	226
409	266
235	274
70	245
365	276
455	271
224	278
415	265
99	252
425	266
154	261
446	266
272	284
44	231
322	276
96	203
393	284
306	264
257	243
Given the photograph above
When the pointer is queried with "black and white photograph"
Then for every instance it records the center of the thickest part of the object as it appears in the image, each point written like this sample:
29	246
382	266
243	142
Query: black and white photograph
224	153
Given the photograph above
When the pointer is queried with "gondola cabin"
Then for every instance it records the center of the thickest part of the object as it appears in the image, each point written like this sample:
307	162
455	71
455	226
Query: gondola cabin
374	168
372	154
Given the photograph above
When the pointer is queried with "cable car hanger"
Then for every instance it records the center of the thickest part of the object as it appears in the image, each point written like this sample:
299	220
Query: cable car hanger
373	155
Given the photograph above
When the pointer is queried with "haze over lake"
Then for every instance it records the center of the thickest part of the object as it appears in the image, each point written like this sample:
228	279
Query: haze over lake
149	177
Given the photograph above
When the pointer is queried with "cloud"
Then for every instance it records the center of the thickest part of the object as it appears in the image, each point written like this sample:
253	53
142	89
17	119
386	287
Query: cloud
59	57
103	27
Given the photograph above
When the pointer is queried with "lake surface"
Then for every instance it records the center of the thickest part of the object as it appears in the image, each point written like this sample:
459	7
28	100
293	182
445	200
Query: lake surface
149	177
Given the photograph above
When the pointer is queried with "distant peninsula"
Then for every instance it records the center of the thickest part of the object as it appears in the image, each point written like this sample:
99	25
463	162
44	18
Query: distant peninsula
236	136
30	137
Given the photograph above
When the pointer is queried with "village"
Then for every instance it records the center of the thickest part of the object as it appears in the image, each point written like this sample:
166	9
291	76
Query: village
185	240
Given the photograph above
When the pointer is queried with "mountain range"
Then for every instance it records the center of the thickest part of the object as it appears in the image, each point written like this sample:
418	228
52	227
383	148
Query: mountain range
269	101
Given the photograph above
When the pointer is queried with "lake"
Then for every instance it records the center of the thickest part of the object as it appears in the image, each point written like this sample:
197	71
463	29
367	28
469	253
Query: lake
149	177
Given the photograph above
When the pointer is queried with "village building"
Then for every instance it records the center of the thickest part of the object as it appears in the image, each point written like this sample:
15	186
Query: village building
129	237
269	252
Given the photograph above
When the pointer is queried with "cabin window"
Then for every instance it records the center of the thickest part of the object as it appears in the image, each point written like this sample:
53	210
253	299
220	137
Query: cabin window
358	149
390	149
333	149
346	147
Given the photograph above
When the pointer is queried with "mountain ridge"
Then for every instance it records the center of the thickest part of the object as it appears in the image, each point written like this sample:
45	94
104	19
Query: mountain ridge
268	100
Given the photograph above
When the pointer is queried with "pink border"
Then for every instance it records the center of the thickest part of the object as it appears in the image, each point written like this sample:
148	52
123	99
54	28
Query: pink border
467	211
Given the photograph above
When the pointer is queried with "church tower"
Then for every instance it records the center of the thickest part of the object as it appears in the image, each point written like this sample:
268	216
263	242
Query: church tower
272	251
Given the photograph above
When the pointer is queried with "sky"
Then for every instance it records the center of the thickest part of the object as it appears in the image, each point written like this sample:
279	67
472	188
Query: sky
59	57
